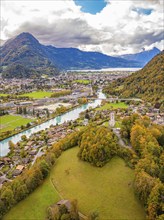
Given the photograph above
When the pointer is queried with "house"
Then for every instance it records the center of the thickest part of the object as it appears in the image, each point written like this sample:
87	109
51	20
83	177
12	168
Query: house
66	203
33	152
18	170
7	160
16	173
20	167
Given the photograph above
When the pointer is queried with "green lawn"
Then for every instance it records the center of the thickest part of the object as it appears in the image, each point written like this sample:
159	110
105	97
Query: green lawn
35	205
3	94
108	190
37	94
82	81
9	122
112	105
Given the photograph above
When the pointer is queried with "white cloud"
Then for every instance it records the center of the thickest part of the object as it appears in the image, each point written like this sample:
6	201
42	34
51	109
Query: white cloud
117	29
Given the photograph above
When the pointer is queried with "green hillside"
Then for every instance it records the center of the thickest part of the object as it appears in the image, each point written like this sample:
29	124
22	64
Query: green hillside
146	84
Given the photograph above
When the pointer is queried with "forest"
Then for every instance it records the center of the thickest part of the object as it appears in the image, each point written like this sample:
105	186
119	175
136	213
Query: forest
146	84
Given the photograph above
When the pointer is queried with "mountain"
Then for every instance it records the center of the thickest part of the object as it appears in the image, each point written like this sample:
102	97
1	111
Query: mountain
143	57
19	71
146	83
26	50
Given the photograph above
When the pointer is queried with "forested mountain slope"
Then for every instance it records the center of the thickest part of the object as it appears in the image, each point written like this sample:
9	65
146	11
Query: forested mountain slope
147	83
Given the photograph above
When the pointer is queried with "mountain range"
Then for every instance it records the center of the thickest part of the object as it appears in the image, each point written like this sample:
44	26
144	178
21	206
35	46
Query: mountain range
26	50
143	57
146	83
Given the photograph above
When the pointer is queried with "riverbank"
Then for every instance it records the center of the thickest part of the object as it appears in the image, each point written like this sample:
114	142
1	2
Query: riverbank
72	114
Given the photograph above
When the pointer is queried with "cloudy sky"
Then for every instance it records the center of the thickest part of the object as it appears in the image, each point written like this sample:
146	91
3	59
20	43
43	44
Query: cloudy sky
109	26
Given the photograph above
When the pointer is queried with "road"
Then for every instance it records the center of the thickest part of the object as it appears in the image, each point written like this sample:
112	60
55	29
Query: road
120	141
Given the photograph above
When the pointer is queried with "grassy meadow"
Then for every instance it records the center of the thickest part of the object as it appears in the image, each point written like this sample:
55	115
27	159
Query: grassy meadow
107	190
35	205
112	106
10	122
37	94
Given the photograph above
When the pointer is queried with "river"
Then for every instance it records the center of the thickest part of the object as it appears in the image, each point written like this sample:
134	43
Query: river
71	115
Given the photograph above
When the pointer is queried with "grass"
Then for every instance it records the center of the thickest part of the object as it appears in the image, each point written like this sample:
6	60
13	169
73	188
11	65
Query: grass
117	124
82	81
10	122
112	106
108	190
37	94
35	205
3	94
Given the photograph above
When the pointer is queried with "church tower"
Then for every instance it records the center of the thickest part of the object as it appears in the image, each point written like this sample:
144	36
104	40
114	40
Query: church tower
112	119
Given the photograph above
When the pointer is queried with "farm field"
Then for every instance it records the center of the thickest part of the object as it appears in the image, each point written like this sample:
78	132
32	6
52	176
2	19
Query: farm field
10	122
37	94
35	205
112	105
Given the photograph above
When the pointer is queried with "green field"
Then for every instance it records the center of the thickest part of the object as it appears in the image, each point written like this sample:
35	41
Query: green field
35	205
112	106
3	94
82	81
37	94
9	122
108	190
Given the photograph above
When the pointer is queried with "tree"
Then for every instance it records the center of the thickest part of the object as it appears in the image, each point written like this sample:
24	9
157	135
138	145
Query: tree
97	145
24	110
24	137
7	197
137	132
11	146
155	201
143	185
44	168
19	189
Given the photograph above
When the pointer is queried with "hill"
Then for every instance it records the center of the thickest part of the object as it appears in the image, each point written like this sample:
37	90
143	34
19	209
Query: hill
25	49
143	57
146	83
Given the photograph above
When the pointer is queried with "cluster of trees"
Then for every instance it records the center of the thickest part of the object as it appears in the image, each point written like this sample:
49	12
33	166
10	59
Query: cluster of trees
146	83
3	112
82	100
56	212
21	110
97	145
147	140
61	93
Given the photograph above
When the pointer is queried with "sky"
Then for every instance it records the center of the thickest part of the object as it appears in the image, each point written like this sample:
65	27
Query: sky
113	27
